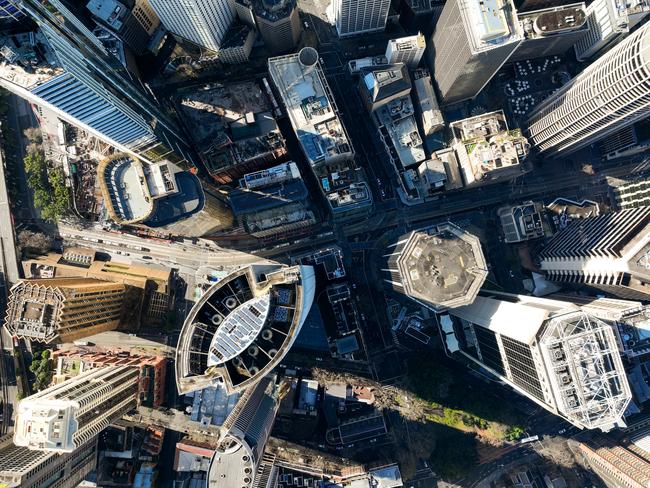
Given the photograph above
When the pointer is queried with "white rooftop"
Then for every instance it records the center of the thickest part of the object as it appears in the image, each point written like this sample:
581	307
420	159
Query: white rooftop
516	320
238	330
46	425
490	22
309	106
397	117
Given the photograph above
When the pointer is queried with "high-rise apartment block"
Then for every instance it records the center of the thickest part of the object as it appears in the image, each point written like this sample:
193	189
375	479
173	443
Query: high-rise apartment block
471	42
610	252
21	467
555	353
66	69
277	21
134	22
609	21
353	17
151	382
407	50
442	267
61	310
66	416
239	453
608	95
201	22
551	31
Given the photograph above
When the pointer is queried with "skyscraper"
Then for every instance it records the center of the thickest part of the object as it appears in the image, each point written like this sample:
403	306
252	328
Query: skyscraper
238	455
23	468
9	11
73	75
552	352
132	21
277	21
442	267
202	22
610	252
608	95
407	50
63	309
66	416
609	21
359	16
243	326
471	42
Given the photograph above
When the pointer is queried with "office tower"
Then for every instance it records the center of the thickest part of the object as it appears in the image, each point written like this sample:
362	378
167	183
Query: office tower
248	427
66	416
353	17
441	267
471	42
300	81
23	468
243	326
158	195
134	22
302	87
76	262
555	353
551	31
608	95
66	69
629	192
610	252
609	21
201	22
60	310
277	21
407	50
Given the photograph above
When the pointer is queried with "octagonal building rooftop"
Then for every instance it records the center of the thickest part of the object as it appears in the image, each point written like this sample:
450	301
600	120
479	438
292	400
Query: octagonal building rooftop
243	326
441	267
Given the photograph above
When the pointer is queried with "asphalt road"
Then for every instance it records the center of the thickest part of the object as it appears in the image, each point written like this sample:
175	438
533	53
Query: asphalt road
9	263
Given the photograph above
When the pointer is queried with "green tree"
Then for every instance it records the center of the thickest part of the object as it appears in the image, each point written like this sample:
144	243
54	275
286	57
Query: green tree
51	195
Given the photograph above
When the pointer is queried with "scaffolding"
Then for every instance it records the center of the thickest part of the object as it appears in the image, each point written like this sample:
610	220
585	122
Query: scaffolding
585	370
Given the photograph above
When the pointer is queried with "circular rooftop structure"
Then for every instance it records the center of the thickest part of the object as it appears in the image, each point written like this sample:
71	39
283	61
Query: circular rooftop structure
441	268
232	464
308	56
243	326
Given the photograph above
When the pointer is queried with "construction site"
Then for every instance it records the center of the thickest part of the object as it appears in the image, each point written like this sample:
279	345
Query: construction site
233	128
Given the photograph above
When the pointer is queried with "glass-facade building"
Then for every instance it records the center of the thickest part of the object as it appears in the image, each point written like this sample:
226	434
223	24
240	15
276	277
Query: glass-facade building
89	88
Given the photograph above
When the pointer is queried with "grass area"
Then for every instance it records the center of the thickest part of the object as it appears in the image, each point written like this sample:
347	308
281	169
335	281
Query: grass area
459	414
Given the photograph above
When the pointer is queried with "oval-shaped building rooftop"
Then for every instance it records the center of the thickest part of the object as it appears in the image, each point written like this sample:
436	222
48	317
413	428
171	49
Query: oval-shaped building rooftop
243	326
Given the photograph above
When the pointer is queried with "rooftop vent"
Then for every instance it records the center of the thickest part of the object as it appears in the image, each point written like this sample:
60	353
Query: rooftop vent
308	57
